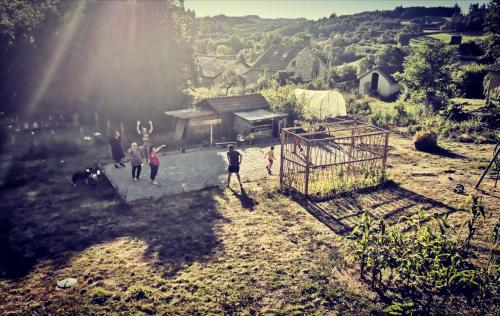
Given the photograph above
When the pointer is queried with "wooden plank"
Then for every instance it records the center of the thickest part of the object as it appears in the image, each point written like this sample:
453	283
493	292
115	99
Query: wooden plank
345	162
206	122
308	162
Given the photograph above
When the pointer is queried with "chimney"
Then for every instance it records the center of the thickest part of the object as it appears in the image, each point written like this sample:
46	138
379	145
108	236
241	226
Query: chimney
306	40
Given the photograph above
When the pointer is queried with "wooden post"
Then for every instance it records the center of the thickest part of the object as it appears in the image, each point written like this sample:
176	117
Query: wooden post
282	155
211	134
308	162
108	128
485	172
122	130
384	160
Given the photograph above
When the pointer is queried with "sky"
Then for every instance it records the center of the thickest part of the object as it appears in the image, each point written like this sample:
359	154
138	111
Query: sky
310	9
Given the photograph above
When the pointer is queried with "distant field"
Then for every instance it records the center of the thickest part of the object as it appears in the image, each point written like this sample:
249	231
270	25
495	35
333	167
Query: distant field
446	37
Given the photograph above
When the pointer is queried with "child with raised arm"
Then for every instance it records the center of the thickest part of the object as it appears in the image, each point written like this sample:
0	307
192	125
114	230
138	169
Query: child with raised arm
144	133
155	163
270	157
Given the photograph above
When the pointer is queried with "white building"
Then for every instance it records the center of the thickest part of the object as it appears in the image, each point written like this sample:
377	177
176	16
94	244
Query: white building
380	81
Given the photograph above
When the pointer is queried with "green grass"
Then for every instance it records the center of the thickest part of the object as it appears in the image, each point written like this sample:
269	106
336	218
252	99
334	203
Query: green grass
466	37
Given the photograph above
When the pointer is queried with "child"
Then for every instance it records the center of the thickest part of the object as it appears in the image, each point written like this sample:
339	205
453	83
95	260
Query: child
154	163
234	158
135	161
270	157
117	150
145	138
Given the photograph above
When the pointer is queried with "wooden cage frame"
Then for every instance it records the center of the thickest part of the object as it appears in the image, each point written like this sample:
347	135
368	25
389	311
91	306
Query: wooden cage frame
327	158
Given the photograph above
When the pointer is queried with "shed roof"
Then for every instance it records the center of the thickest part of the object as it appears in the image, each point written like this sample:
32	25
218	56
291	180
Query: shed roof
387	71
212	66
189	113
259	115
235	103
494	67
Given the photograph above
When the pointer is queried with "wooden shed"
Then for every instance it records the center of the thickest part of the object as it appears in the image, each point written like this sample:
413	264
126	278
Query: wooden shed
227	117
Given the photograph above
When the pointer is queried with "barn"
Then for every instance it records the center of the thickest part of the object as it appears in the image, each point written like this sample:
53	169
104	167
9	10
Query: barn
380	81
226	117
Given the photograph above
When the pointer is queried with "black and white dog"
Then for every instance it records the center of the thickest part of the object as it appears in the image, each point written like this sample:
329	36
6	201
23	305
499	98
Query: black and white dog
91	176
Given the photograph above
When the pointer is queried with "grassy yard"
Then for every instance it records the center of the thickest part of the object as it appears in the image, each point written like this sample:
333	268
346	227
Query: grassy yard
466	37
209	252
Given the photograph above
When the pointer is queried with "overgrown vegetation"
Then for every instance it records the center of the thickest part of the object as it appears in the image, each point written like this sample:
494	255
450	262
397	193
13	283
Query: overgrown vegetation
427	266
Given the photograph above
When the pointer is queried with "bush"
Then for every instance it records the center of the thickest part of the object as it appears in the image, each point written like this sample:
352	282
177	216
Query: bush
428	262
51	148
358	106
99	295
381	118
425	141
138	292
470	80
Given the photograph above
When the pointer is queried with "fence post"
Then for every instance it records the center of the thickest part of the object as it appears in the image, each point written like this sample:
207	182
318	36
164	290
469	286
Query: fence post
384	160
96	118
108	128
122	130
308	159
282	155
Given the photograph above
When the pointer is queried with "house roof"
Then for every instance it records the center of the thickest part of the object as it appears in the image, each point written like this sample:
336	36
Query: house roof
386	71
212	66
259	115
494	67
235	103
277	57
189	113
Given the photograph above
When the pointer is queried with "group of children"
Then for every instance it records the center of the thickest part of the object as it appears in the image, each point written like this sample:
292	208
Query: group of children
138	154
149	155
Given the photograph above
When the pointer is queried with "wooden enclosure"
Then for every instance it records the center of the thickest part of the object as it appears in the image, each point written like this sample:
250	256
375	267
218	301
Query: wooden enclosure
327	158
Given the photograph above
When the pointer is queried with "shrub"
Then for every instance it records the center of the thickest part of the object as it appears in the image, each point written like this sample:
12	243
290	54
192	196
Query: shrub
470	80
99	295
427	260
51	148
138	292
358	106
425	141
381	118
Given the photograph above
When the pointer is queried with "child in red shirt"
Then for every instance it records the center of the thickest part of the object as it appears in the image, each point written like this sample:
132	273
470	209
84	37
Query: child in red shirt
154	163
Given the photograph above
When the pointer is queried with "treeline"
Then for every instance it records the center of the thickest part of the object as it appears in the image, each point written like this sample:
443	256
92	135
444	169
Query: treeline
127	60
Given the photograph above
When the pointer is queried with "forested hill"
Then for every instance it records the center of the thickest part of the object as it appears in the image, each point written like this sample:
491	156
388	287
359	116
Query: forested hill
249	36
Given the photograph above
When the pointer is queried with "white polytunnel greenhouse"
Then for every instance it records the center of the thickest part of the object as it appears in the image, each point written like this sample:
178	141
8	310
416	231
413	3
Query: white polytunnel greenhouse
319	105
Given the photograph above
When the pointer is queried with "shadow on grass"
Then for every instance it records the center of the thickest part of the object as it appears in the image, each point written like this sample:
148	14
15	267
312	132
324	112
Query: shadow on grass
443	152
246	201
62	221
387	201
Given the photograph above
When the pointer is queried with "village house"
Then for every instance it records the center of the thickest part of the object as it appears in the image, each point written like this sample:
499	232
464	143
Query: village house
212	68
226	117
297	59
380	81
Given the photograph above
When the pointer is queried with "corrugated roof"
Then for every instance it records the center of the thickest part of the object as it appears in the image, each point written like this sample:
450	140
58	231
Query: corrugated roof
277	57
189	113
387	71
259	115
235	103
494	67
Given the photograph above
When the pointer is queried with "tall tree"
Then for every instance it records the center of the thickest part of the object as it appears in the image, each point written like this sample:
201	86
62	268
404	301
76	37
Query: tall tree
428	71
127	59
492	28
